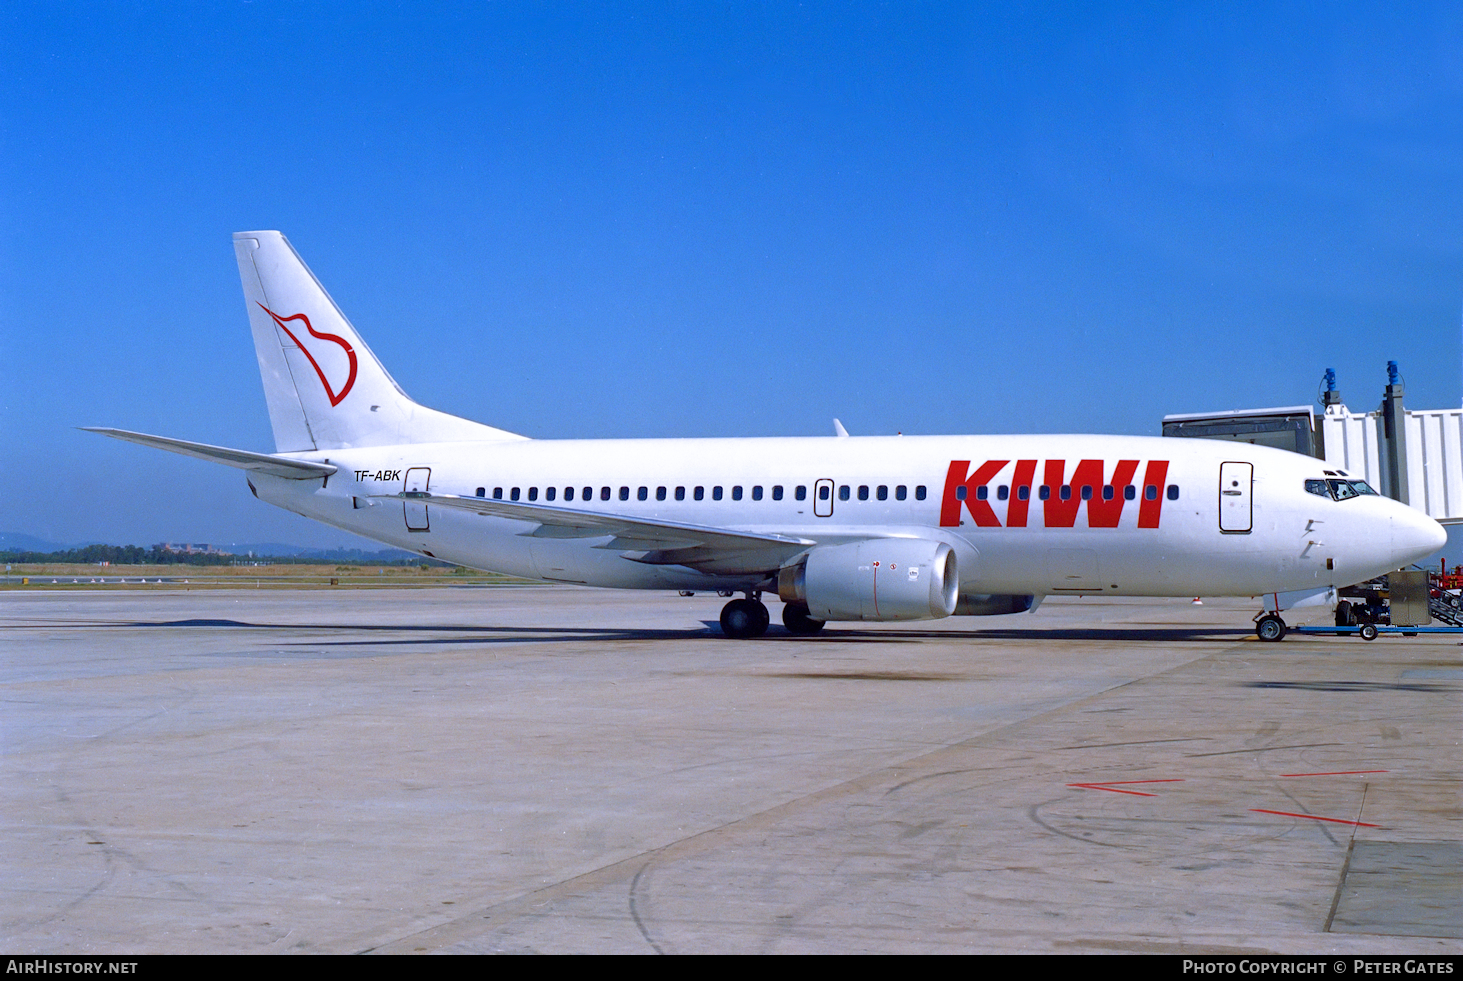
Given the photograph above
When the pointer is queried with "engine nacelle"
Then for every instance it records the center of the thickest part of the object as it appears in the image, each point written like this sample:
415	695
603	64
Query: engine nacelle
877	579
992	604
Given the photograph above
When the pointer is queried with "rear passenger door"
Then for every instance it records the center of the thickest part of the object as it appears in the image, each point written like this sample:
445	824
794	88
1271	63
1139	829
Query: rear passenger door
416	482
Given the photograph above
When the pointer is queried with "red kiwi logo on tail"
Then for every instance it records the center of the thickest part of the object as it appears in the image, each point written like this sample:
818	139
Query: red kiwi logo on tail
335	399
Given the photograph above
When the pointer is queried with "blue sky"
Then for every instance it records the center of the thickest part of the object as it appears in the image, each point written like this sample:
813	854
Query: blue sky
669	219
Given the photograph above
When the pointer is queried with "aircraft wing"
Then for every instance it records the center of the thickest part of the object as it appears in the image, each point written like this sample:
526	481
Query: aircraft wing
242	459
720	551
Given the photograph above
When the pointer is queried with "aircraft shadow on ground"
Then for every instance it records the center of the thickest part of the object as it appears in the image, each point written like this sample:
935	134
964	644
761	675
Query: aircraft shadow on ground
711	630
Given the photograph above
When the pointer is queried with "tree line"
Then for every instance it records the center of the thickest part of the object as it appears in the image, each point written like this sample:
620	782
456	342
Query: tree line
138	555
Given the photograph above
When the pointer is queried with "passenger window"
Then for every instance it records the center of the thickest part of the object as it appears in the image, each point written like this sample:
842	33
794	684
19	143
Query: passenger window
757	492
482	492
1023	493
1044	492
568	493
680	493
1086	492
549	493
982	492
588	494
919	492
883	492
801	493
513	494
901	492
1108	493
1173	492
823	493
716	493
737	492
497	493
1066	492
533	493
624	493
1130	492
777	492
843	492
660	493
1002	492
1150	492
699	493
604	493
863	492
642	494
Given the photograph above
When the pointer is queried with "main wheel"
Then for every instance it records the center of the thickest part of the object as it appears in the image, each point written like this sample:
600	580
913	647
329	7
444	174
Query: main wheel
795	618
744	618
764	619
1270	627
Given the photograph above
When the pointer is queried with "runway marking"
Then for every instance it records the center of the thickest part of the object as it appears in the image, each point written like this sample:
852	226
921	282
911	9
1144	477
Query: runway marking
1109	785
1332	773
1314	817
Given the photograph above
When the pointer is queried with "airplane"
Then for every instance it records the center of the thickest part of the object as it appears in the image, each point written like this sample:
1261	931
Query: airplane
839	528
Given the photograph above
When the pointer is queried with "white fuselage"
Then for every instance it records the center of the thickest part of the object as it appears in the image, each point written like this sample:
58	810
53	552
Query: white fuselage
1024	514
841	528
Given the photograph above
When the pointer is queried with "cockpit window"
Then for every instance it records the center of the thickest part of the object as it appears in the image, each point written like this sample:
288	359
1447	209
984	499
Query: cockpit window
1342	489
1339	490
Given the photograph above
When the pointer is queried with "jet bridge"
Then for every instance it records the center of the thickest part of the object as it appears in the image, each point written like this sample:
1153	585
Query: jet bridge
1411	455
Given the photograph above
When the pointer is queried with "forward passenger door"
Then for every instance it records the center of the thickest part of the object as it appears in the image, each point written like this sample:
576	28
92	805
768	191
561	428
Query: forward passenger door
1236	481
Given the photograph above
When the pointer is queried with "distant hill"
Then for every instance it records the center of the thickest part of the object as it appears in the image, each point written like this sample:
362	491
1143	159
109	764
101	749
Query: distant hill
14	541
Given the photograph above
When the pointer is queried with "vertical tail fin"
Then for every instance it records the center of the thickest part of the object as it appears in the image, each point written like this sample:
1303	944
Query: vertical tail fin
324	387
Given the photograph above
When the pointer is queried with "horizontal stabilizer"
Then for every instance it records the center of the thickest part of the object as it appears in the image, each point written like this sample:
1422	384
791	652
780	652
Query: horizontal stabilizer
662	542
242	459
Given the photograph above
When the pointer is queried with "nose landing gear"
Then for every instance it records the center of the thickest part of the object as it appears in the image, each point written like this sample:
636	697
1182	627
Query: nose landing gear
1270	627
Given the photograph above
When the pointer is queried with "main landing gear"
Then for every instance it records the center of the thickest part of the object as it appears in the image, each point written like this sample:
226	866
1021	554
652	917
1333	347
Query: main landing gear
795	618
1270	627
743	619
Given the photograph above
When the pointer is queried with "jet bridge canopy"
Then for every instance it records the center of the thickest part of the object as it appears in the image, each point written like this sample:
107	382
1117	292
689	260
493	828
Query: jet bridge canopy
1290	428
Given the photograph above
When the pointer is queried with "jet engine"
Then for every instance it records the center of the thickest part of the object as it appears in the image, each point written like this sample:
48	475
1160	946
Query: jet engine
876	579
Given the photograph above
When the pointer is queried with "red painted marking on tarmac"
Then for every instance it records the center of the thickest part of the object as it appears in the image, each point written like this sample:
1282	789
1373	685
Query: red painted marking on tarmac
1110	785
1333	773
1313	817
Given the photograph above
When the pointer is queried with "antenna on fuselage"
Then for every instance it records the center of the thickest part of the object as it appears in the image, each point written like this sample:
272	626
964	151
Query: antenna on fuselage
838	429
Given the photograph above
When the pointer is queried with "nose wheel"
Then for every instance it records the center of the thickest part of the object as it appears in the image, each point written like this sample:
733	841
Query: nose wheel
743	619
1270	627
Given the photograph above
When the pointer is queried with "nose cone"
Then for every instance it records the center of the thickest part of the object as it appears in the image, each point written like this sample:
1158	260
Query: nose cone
1415	536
